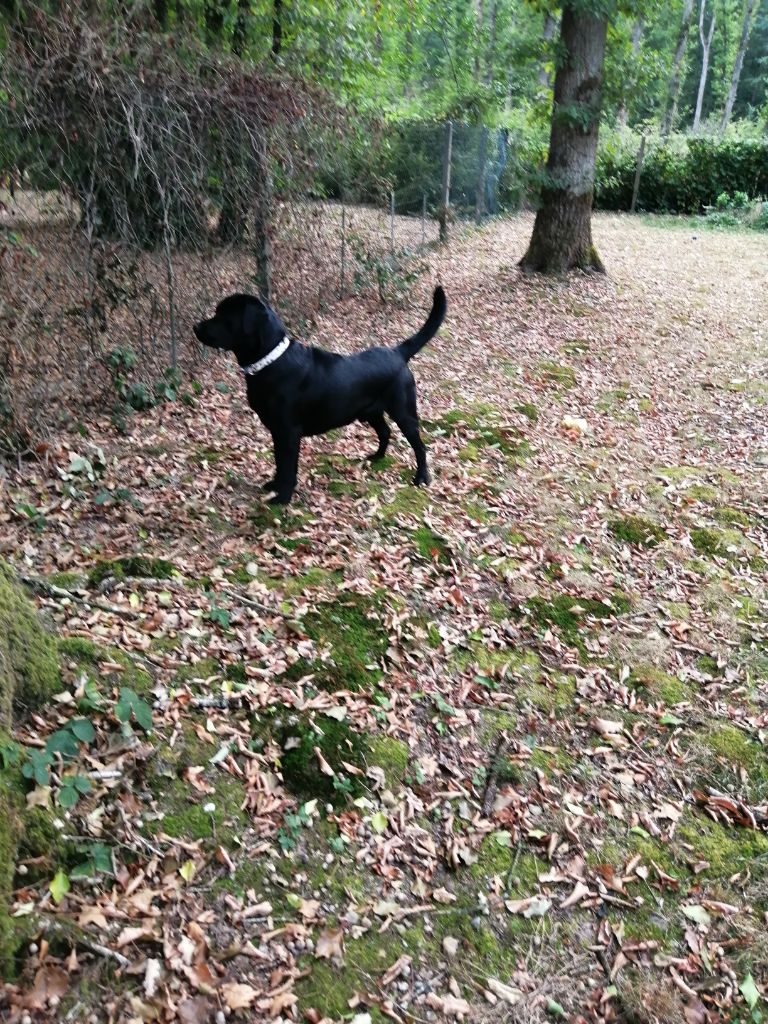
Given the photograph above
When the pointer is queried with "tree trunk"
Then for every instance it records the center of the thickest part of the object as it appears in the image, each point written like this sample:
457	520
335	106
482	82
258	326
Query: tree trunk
622	115
673	94
214	21
706	43
738	64
161	14
548	34
240	29
482	149
562	234
277	27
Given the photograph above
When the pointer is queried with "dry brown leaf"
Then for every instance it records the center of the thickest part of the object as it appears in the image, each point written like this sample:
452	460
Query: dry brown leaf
330	943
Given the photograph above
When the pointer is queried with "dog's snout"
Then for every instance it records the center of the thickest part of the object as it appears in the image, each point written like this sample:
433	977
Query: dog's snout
198	331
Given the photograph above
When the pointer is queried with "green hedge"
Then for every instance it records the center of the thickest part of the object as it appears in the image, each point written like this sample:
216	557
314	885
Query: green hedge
683	176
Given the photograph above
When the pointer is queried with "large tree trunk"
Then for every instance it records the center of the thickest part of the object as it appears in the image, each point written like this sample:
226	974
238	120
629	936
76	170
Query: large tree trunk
622	115
706	44
746	27
562	234
673	93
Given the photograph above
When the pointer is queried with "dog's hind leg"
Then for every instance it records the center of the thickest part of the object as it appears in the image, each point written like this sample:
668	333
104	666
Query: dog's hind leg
383	433
403	412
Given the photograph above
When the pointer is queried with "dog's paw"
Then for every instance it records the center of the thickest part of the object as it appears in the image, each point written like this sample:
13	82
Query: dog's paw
270	485
422	480
280	499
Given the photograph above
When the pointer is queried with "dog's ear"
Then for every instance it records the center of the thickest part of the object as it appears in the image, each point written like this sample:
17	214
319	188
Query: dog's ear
252	313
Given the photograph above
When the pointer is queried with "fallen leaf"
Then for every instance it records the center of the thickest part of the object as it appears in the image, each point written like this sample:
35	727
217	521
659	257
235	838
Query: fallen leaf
238	996
330	943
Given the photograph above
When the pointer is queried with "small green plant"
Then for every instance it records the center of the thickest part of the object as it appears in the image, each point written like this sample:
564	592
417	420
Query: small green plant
97	862
10	754
120	496
216	613
33	515
131	706
293	824
71	789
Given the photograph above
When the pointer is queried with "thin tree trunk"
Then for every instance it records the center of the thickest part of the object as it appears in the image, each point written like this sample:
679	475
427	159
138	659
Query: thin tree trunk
562	233
482	149
637	35
673	93
277	27
746	28
445	205
214	21
240	30
263	207
548	34
161	14
706	43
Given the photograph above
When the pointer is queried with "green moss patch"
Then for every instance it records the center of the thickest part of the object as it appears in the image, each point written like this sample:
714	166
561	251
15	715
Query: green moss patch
390	755
730	516
431	545
557	375
637	531
528	410
134	566
356	638
29	670
11	810
660	685
727	850
328	987
733	761
557	696
82	653
722	543
298	735
570	615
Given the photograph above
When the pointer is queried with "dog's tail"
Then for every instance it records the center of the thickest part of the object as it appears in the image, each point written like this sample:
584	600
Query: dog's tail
416	342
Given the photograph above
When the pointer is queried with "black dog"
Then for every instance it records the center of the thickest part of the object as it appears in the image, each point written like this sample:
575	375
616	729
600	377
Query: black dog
299	390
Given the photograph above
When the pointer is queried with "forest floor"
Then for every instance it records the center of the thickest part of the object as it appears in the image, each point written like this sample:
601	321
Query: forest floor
492	750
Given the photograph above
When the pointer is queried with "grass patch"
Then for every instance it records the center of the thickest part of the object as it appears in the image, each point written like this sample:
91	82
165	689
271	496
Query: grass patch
723	543
431	546
558	375
134	566
356	638
570	615
637	531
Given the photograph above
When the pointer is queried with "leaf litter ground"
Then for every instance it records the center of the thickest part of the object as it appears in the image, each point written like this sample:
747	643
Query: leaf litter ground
491	751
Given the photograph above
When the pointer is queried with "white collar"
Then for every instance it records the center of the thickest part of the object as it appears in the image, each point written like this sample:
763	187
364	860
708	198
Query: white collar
270	357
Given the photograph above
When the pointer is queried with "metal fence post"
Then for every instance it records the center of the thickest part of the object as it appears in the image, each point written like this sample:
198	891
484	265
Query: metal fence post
446	193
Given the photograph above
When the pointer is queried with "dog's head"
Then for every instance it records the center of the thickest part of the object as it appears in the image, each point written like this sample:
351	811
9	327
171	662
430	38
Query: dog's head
244	325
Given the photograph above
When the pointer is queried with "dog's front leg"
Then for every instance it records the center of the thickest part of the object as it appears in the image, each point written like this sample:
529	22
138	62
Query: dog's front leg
286	444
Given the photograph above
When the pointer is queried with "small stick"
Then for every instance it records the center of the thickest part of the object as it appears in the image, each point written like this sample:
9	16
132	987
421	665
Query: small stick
491	785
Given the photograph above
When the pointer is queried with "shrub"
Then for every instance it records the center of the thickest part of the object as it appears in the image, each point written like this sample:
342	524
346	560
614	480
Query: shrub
683	175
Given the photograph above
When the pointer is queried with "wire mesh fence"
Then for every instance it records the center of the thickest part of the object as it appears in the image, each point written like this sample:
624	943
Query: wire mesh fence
153	198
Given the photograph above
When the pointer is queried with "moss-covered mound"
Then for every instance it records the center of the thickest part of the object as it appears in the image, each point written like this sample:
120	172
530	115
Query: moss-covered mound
636	530
29	670
29	676
351	628
137	566
301	738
